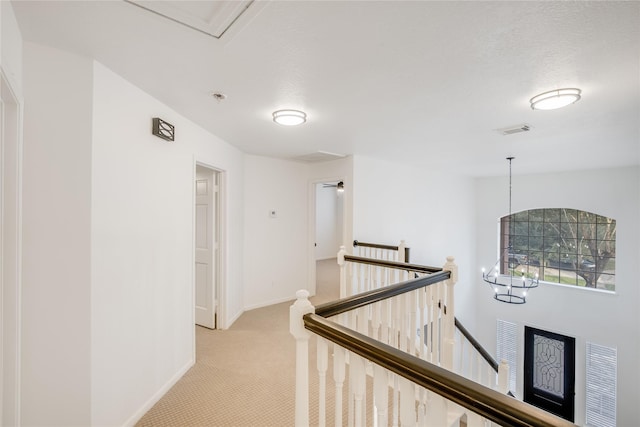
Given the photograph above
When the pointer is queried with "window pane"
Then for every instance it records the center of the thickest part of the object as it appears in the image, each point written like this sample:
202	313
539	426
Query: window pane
522	228
569	215
586	217
536	229
551	244
606	231
607	248
552	215
536	215
586	231
536	243
521	244
521	216
536	258
586	246
551	230
609	267
569	229
569	246
606	282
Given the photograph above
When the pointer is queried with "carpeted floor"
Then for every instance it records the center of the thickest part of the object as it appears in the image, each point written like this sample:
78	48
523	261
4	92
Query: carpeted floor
244	376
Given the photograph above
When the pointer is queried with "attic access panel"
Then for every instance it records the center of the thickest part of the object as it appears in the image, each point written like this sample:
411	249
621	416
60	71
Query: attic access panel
212	18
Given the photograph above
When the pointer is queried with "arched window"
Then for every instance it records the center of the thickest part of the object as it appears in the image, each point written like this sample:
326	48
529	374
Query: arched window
564	246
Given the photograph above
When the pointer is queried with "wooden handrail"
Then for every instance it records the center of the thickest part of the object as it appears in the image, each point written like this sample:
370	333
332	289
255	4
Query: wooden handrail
474	342
489	403
350	303
392	264
381	246
375	245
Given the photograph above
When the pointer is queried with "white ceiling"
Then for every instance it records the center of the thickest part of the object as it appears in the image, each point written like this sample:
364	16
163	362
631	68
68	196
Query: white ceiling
419	82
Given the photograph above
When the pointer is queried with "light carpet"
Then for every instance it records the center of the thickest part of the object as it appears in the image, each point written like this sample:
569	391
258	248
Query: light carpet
245	376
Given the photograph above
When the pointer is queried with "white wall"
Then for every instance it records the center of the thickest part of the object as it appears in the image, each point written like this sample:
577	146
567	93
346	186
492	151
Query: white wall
329	205
602	318
431	211
56	317
10	46
108	321
275	249
10	227
142	246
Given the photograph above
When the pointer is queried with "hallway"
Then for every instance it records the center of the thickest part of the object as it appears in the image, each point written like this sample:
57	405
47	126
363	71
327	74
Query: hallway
243	376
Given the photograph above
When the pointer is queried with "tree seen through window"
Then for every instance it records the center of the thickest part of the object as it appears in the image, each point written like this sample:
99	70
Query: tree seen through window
565	246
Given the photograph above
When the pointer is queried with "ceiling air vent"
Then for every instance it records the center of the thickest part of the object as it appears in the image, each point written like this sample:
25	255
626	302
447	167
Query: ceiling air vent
514	129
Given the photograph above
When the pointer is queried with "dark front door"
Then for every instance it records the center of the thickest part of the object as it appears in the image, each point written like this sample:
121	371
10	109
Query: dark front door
549	371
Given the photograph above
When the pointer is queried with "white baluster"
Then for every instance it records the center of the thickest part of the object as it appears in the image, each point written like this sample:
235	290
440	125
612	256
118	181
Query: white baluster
463	344
449	317
376	320
503	377
422	407
357	377
343	272
413	321
429	324
407	403
401	251
396	399
323	356
381	394
299	308
422	303
384	321
339	363
437	410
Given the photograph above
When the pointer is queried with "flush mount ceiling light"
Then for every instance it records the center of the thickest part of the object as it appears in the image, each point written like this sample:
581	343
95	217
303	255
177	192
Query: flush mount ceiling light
289	117
555	99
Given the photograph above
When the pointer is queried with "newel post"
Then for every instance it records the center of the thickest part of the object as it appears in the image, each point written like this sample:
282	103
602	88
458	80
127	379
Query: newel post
503	377
343	272
449	331
299	308
402	252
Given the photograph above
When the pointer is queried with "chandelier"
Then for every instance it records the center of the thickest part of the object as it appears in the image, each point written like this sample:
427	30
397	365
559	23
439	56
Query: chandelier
507	285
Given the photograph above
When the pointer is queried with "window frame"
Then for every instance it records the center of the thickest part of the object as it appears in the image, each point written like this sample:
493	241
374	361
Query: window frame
585	255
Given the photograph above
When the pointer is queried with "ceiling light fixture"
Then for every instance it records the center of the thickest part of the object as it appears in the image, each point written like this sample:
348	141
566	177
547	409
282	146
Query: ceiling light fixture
506	286
555	99
289	117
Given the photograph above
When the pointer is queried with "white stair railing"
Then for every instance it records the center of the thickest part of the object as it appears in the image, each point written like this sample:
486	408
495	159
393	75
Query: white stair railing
358	277
393	322
398	253
427	395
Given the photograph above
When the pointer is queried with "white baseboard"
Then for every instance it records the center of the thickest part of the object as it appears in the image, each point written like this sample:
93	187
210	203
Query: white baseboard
158	395
326	258
233	319
272	302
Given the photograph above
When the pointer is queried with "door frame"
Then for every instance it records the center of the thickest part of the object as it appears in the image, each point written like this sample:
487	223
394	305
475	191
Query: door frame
311	237
219	280
564	406
11	114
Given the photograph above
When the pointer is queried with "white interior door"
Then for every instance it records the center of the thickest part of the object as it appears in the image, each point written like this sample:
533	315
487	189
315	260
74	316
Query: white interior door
206	243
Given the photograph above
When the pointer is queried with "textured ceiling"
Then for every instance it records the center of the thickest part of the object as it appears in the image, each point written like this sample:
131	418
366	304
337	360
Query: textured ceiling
423	83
